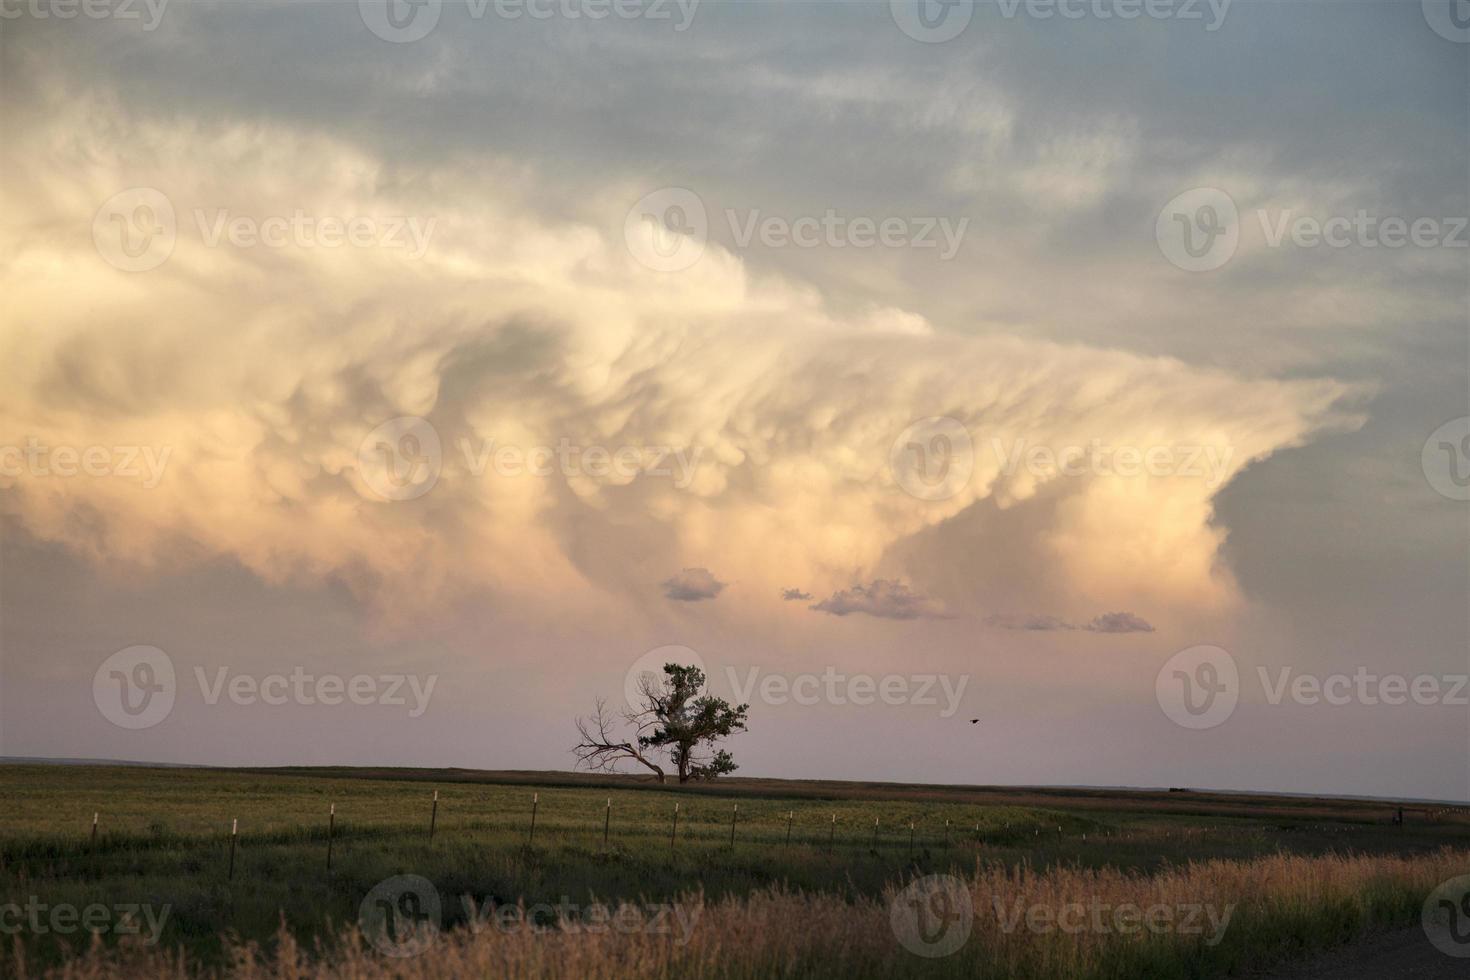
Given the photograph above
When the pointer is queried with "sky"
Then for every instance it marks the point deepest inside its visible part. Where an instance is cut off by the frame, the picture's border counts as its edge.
(993, 393)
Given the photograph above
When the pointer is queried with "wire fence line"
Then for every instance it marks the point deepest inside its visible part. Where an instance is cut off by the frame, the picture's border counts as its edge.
(604, 830)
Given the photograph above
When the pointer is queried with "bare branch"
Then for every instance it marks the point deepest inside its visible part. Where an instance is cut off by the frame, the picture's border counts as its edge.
(601, 751)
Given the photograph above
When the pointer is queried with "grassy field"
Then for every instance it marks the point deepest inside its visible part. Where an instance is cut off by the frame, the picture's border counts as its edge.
(1296, 874)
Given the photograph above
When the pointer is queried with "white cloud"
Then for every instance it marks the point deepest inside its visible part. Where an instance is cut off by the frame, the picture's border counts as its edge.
(263, 369)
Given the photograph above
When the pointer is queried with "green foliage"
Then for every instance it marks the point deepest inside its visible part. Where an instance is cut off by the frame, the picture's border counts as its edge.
(686, 722)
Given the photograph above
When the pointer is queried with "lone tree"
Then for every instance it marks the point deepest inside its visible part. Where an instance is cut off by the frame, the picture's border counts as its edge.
(671, 717)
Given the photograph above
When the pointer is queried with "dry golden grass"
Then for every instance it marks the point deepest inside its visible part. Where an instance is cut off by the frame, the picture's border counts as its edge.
(1278, 907)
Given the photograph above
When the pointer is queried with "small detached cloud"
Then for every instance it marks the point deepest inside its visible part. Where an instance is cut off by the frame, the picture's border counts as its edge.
(795, 595)
(1038, 623)
(885, 599)
(1114, 622)
(1119, 622)
(692, 585)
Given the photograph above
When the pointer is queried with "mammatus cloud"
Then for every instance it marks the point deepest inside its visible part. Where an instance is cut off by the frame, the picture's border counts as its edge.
(885, 599)
(1114, 622)
(795, 595)
(517, 330)
(692, 585)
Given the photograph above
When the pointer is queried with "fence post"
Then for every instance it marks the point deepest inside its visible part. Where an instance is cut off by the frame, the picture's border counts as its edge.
(875, 833)
(234, 832)
(734, 814)
(94, 830)
(674, 831)
(911, 839)
(331, 824)
(433, 816)
(789, 814)
(946, 832)
(832, 834)
(535, 803)
(606, 823)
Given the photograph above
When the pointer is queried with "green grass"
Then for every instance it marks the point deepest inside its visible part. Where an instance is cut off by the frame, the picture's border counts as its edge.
(164, 841)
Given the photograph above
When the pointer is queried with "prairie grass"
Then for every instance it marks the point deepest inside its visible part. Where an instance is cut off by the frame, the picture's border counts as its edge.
(797, 892)
(1278, 907)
